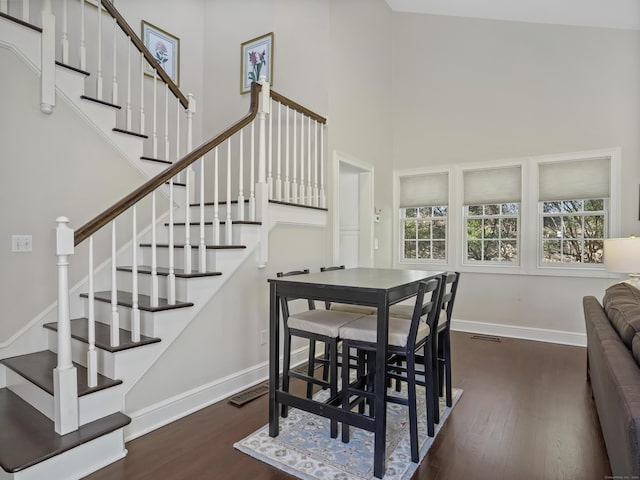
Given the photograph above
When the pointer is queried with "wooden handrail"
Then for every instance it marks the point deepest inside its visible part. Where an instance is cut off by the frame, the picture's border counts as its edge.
(145, 51)
(296, 106)
(134, 197)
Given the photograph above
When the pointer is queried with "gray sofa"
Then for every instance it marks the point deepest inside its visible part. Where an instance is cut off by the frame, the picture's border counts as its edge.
(613, 367)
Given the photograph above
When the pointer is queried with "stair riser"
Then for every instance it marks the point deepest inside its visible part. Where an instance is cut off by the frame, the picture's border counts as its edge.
(215, 259)
(237, 231)
(222, 212)
(111, 364)
(76, 463)
(125, 283)
(90, 407)
(103, 314)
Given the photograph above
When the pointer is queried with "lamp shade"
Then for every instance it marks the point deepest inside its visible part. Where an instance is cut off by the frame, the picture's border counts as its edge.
(622, 255)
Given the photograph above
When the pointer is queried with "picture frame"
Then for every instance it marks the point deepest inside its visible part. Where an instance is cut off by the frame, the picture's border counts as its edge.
(256, 59)
(165, 48)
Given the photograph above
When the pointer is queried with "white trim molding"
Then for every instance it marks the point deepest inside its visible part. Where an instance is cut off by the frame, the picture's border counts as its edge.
(576, 339)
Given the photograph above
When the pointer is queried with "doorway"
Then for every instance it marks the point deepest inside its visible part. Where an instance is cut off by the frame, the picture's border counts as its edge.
(353, 202)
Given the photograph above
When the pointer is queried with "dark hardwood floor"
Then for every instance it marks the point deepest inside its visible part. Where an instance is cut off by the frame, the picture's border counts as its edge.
(526, 413)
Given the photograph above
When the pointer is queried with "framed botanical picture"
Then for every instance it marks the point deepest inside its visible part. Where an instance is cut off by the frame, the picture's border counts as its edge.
(256, 59)
(165, 48)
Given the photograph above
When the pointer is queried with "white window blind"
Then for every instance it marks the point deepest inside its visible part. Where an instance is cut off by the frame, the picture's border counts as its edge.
(424, 190)
(492, 185)
(574, 179)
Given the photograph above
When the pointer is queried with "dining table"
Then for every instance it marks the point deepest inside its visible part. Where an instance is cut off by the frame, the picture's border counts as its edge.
(376, 287)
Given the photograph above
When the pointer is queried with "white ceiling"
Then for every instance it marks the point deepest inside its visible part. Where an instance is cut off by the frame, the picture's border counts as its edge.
(592, 13)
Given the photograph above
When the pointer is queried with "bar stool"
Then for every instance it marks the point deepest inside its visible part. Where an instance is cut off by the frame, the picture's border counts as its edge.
(316, 325)
(405, 340)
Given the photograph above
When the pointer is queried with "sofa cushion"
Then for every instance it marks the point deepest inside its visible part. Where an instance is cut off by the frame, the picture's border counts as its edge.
(622, 304)
(635, 347)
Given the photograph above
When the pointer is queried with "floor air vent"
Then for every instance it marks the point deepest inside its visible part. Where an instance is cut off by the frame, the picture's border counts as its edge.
(486, 338)
(249, 394)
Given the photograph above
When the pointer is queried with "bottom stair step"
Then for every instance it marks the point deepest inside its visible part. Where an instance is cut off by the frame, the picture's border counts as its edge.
(28, 437)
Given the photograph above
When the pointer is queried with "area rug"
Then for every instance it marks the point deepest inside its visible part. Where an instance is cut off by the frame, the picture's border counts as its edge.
(304, 448)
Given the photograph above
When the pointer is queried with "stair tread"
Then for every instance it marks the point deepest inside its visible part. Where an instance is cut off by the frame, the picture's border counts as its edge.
(38, 368)
(164, 271)
(72, 68)
(209, 247)
(158, 160)
(130, 132)
(222, 222)
(125, 299)
(301, 205)
(28, 437)
(80, 331)
(101, 102)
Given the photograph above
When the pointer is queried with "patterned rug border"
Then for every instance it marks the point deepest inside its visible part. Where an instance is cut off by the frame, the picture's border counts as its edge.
(405, 474)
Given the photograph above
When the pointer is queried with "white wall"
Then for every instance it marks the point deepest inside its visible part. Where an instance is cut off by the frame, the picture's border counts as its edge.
(470, 90)
(50, 165)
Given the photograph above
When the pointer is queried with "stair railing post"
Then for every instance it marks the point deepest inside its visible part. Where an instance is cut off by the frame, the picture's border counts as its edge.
(262, 188)
(48, 59)
(65, 384)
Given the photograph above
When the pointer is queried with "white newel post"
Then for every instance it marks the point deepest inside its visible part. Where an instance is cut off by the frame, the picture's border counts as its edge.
(48, 59)
(262, 188)
(65, 386)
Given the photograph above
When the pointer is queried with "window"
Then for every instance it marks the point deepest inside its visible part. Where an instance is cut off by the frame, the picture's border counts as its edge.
(492, 232)
(573, 211)
(492, 215)
(423, 217)
(573, 231)
(424, 233)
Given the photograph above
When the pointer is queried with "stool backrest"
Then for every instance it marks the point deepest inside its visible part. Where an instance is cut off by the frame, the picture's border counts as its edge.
(448, 294)
(425, 310)
(285, 301)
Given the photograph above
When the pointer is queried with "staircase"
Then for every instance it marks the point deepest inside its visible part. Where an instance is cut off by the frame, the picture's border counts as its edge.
(62, 392)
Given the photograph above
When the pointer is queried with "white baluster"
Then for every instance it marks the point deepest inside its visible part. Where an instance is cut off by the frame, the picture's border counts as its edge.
(315, 164)
(99, 74)
(294, 180)
(252, 180)
(25, 10)
(301, 198)
(92, 353)
(270, 162)
(187, 237)
(65, 383)
(115, 316)
(178, 111)
(171, 278)
(323, 199)
(142, 116)
(155, 114)
(279, 156)
(309, 191)
(128, 109)
(3, 6)
(83, 41)
(65, 36)
(228, 223)
(114, 88)
(240, 214)
(287, 184)
(167, 153)
(154, 253)
(202, 250)
(216, 193)
(135, 310)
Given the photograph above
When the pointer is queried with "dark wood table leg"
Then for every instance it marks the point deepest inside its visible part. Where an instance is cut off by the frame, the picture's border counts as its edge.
(380, 386)
(274, 352)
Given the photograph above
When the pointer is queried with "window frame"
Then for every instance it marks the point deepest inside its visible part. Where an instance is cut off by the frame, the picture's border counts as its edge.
(466, 217)
(402, 222)
(530, 223)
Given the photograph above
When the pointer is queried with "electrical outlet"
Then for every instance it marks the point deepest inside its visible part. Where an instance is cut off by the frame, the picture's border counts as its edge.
(263, 337)
(21, 243)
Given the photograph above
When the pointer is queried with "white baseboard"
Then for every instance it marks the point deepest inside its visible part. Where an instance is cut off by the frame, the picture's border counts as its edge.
(526, 333)
(179, 406)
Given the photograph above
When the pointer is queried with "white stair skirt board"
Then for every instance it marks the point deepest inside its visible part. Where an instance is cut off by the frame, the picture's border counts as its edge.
(77, 462)
(525, 333)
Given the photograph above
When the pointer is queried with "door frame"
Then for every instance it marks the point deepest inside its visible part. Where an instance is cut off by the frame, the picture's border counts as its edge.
(366, 208)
